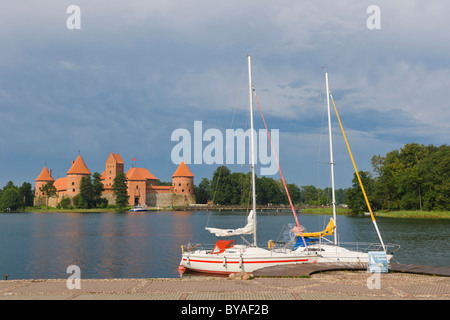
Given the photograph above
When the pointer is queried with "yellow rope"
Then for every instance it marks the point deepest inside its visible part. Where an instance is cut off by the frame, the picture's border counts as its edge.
(353, 161)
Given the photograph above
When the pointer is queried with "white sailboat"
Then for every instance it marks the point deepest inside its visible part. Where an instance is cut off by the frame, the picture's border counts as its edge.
(228, 257)
(333, 251)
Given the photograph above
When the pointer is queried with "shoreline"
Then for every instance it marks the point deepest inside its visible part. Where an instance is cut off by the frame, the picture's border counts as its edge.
(401, 214)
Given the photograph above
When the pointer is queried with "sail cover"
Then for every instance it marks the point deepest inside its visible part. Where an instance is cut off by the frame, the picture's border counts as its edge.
(248, 229)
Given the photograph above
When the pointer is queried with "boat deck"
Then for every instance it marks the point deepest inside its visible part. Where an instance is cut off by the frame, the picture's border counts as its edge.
(307, 269)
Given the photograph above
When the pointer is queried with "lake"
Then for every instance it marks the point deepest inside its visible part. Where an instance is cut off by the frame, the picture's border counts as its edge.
(148, 244)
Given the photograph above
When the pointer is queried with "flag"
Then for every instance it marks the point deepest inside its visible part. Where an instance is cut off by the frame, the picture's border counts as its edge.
(134, 159)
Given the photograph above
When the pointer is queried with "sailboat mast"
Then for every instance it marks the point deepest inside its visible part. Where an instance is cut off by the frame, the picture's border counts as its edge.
(252, 143)
(331, 158)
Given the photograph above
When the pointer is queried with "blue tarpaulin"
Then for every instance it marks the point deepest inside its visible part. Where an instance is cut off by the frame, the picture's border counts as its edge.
(308, 241)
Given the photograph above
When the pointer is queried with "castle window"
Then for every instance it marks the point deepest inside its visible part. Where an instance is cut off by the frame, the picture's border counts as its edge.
(73, 183)
(182, 190)
(137, 187)
(188, 184)
(179, 184)
(189, 190)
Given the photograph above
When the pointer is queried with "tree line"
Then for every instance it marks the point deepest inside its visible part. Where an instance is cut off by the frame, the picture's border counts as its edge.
(13, 197)
(416, 177)
(234, 188)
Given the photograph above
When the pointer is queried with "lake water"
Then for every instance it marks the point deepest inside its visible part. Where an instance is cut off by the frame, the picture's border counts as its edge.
(147, 244)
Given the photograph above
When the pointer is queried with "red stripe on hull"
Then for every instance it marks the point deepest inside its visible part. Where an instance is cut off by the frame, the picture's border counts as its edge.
(246, 262)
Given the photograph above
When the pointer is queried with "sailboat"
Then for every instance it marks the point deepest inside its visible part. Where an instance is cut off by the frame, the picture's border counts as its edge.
(333, 251)
(227, 256)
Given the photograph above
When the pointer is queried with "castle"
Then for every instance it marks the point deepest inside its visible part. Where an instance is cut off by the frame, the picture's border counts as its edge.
(142, 185)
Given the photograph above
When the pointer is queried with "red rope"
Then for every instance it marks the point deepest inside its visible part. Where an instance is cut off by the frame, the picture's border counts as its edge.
(281, 173)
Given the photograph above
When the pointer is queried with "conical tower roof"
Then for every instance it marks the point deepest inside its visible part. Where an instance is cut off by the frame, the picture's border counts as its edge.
(79, 167)
(183, 171)
(45, 175)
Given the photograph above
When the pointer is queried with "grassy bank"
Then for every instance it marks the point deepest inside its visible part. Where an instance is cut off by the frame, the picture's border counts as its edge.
(391, 214)
(417, 214)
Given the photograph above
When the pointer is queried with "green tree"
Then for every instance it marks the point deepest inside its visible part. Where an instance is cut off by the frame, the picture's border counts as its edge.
(65, 203)
(26, 194)
(414, 177)
(268, 191)
(9, 185)
(309, 194)
(220, 188)
(120, 191)
(355, 197)
(76, 200)
(97, 189)
(239, 188)
(86, 199)
(293, 190)
(10, 199)
(341, 195)
(435, 171)
(162, 183)
(202, 191)
(411, 183)
(49, 191)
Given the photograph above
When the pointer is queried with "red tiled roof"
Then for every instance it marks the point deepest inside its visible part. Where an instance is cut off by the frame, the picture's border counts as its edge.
(139, 174)
(60, 184)
(160, 187)
(45, 175)
(183, 171)
(115, 157)
(118, 158)
(79, 167)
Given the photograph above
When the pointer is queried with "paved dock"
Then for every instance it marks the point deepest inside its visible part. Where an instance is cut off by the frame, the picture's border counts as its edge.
(307, 269)
(333, 285)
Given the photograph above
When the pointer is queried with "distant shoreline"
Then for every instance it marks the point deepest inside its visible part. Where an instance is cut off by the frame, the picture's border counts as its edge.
(340, 211)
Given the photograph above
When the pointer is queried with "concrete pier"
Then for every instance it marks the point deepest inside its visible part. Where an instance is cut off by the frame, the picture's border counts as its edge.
(331, 285)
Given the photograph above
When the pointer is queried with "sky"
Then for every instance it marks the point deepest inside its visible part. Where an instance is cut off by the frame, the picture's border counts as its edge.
(136, 71)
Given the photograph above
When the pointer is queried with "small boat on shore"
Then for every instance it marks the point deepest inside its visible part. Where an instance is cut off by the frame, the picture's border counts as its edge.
(139, 208)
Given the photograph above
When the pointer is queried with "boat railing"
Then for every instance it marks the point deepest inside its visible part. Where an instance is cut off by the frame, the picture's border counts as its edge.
(190, 247)
(353, 246)
(363, 246)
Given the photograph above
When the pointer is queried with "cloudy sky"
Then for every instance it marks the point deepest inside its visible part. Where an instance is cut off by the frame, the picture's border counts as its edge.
(137, 70)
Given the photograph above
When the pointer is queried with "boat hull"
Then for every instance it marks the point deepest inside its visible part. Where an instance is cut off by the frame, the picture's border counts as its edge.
(249, 261)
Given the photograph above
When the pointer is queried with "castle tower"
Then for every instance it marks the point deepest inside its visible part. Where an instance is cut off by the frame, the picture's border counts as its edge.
(74, 175)
(138, 181)
(44, 177)
(183, 180)
(113, 165)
